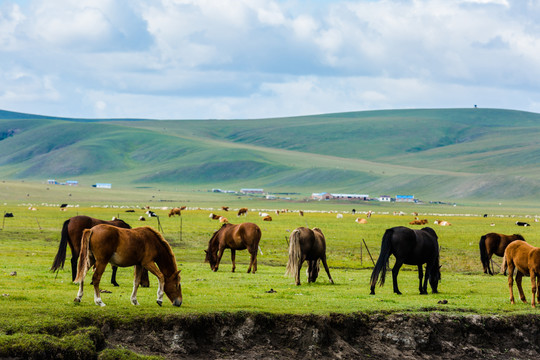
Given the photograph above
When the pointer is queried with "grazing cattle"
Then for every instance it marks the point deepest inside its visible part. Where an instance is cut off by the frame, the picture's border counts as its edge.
(141, 218)
(418, 222)
(369, 213)
(63, 205)
(301, 213)
(267, 218)
(223, 219)
(361, 220)
(142, 247)
(411, 247)
(183, 207)
(525, 259)
(521, 223)
(130, 211)
(494, 243)
(263, 214)
(175, 211)
(234, 237)
(8, 214)
(442, 223)
(307, 245)
(225, 208)
(339, 216)
(485, 215)
(150, 213)
(214, 216)
(242, 211)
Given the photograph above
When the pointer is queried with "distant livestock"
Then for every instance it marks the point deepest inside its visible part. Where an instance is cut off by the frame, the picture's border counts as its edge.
(339, 216)
(267, 218)
(418, 222)
(150, 213)
(141, 218)
(175, 211)
(214, 216)
(361, 220)
(521, 223)
(242, 211)
(301, 213)
(225, 208)
(8, 214)
(442, 223)
(223, 219)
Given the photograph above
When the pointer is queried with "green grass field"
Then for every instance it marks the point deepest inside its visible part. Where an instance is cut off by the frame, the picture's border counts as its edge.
(41, 302)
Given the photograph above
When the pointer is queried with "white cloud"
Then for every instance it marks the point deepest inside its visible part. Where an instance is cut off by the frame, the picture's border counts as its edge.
(261, 58)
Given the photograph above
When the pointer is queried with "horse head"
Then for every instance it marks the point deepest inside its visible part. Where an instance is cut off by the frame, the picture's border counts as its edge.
(173, 288)
(211, 252)
(313, 273)
(435, 277)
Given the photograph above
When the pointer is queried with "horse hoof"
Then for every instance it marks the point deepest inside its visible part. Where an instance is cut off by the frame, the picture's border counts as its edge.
(115, 284)
(159, 302)
(77, 300)
(135, 303)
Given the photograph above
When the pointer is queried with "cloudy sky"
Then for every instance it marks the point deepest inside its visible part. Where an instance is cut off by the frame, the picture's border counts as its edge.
(199, 59)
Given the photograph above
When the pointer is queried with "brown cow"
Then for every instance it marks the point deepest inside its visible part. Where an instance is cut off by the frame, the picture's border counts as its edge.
(242, 211)
(175, 211)
(361, 220)
(267, 218)
(214, 216)
(225, 208)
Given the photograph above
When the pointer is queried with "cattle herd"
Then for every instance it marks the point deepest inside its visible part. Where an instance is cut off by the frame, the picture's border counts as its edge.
(408, 246)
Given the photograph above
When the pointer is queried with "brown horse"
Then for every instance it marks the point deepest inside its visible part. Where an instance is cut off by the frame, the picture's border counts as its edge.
(525, 259)
(72, 231)
(494, 243)
(175, 211)
(234, 237)
(142, 247)
(307, 245)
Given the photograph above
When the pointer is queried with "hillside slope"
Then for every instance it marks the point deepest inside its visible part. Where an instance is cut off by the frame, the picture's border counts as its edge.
(442, 154)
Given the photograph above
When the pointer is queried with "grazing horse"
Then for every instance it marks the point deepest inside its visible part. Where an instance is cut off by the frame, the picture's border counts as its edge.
(142, 247)
(411, 247)
(524, 258)
(234, 237)
(494, 243)
(307, 245)
(72, 231)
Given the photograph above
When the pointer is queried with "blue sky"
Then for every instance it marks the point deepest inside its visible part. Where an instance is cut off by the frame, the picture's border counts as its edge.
(200, 59)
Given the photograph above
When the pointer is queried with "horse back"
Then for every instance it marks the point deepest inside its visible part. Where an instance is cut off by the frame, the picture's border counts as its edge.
(242, 236)
(517, 253)
(415, 247)
(121, 247)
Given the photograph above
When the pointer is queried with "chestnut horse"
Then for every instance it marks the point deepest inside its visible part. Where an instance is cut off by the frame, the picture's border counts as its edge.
(234, 237)
(72, 231)
(307, 245)
(494, 243)
(142, 247)
(524, 258)
(411, 247)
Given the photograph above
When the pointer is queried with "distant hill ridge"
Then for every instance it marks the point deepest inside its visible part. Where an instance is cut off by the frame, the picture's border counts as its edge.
(441, 153)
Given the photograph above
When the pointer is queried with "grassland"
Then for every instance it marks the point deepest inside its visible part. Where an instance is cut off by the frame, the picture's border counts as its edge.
(40, 302)
(441, 154)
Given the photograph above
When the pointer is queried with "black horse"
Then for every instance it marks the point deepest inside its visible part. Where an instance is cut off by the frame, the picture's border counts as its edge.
(411, 247)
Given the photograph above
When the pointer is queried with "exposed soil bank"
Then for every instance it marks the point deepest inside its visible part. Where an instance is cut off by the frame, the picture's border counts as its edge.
(355, 336)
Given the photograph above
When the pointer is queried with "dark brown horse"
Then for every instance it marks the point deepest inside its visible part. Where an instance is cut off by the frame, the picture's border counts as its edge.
(411, 247)
(524, 258)
(234, 237)
(142, 247)
(72, 231)
(307, 245)
(494, 243)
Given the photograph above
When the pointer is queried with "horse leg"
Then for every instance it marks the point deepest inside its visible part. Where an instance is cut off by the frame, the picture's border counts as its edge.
(151, 266)
(511, 281)
(533, 283)
(145, 281)
(297, 275)
(422, 287)
(311, 263)
(220, 255)
(113, 277)
(490, 264)
(80, 292)
(519, 277)
(323, 259)
(253, 261)
(395, 272)
(136, 281)
(96, 278)
(233, 258)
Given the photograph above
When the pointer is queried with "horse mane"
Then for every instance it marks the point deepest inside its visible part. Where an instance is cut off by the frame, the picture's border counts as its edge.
(162, 241)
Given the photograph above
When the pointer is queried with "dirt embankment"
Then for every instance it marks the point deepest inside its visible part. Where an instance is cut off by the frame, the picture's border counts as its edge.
(356, 336)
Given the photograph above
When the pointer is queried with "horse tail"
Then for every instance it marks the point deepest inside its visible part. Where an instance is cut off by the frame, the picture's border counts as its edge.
(84, 256)
(60, 257)
(484, 255)
(384, 256)
(504, 265)
(295, 254)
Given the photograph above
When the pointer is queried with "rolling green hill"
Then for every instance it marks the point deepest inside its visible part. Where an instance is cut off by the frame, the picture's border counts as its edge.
(435, 154)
